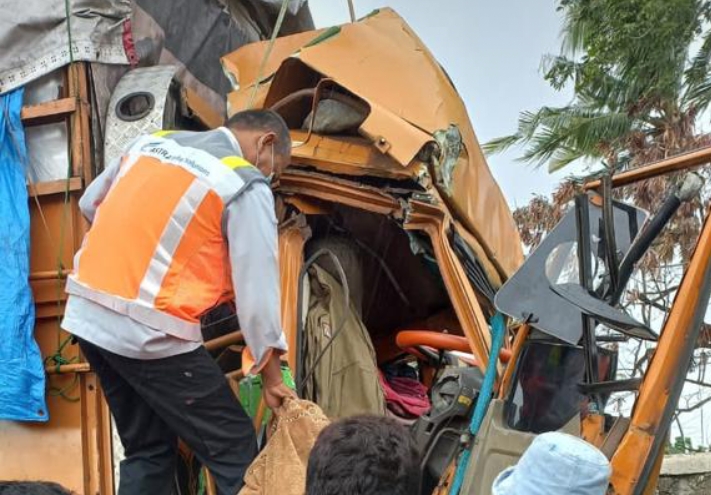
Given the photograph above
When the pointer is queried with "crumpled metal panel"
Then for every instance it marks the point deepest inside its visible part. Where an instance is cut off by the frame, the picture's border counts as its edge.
(154, 81)
(377, 59)
(35, 35)
(292, 238)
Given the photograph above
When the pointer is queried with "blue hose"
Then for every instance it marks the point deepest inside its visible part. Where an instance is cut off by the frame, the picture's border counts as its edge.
(498, 329)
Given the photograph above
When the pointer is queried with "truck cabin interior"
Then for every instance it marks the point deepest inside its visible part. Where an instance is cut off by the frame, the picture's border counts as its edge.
(393, 277)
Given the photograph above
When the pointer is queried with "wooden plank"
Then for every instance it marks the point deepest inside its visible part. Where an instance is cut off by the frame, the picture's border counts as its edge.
(49, 311)
(49, 275)
(96, 426)
(54, 187)
(79, 127)
(50, 111)
(68, 368)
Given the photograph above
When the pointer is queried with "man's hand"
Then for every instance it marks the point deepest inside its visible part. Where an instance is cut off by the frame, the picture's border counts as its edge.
(275, 395)
(274, 389)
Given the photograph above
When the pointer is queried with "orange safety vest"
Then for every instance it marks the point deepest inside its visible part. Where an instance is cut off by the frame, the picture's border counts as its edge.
(156, 250)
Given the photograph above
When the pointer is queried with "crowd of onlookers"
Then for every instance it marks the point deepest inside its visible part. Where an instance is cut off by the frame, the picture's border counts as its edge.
(377, 456)
(370, 455)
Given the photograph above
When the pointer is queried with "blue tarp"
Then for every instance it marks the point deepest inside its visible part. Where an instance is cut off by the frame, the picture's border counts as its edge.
(22, 378)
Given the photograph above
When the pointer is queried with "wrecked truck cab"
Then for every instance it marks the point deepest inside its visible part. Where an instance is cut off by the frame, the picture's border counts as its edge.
(381, 137)
(394, 236)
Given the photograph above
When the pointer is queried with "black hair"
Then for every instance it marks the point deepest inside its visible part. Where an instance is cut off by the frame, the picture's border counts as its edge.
(31, 488)
(263, 120)
(364, 455)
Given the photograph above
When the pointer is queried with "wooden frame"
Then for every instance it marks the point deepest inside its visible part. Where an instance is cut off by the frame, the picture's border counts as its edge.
(74, 447)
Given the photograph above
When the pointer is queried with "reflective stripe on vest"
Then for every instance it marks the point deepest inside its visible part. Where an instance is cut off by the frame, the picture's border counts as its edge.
(156, 250)
(235, 162)
(165, 322)
(168, 243)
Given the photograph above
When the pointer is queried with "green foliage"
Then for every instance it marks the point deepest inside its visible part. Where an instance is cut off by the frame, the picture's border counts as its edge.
(637, 86)
(683, 445)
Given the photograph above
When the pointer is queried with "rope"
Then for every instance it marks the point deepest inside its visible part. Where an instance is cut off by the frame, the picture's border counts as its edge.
(202, 484)
(268, 52)
(498, 329)
(57, 358)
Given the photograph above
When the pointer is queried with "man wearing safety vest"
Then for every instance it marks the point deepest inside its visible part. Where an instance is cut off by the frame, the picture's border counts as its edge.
(182, 222)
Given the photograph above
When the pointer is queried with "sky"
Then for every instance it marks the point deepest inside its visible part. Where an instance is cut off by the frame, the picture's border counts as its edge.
(492, 50)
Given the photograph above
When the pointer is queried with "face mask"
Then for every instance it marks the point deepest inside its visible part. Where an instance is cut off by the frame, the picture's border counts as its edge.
(270, 177)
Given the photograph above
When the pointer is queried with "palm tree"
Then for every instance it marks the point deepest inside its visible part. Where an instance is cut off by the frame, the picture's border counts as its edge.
(636, 89)
(639, 95)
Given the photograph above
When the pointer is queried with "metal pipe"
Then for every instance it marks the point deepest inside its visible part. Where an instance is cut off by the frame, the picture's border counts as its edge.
(689, 189)
(634, 459)
(608, 215)
(310, 93)
(673, 164)
(582, 221)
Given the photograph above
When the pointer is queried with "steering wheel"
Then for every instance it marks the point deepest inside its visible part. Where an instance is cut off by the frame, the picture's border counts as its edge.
(417, 342)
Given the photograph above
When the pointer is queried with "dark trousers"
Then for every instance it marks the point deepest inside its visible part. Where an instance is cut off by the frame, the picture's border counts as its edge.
(156, 401)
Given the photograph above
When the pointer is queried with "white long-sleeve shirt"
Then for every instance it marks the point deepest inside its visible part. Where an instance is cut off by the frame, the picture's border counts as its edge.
(251, 231)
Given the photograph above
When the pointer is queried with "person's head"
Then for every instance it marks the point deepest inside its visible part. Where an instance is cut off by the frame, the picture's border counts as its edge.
(31, 488)
(264, 139)
(363, 455)
(556, 464)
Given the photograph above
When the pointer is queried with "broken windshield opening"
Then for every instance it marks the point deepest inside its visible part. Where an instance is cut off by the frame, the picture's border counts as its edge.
(562, 265)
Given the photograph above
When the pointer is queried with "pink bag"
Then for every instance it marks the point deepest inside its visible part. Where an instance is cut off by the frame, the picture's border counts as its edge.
(405, 397)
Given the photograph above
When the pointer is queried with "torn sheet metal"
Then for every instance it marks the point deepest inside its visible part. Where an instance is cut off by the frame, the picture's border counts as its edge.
(292, 237)
(377, 59)
(450, 147)
(138, 106)
(242, 66)
(35, 36)
(351, 155)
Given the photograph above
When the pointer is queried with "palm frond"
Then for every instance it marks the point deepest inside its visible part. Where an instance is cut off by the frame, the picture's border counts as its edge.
(564, 157)
(698, 69)
(501, 144)
(563, 135)
(699, 96)
(697, 76)
(575, 29)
